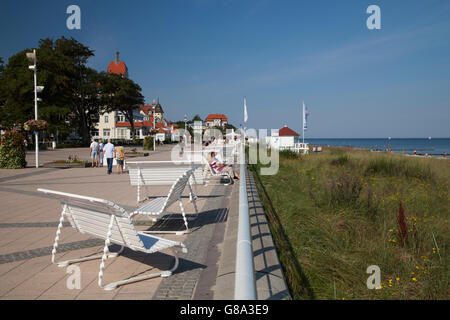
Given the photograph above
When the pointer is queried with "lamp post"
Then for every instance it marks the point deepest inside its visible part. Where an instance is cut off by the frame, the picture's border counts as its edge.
(154, 128)
(185, 128)
(32, 58)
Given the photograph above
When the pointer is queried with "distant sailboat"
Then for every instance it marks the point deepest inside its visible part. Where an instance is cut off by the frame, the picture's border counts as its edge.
(429, 138)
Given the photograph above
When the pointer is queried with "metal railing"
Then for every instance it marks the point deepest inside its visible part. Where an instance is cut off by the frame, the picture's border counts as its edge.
(245, 286)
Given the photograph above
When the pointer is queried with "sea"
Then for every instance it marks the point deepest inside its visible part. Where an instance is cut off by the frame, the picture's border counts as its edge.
(432, 146)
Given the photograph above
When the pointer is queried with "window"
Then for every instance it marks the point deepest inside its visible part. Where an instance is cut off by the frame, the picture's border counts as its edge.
(122, 133)
(106, 132)
(94, 133)
(120, 117)
(106, 119)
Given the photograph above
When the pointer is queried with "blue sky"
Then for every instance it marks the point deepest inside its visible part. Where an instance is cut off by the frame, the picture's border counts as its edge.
(203, 56)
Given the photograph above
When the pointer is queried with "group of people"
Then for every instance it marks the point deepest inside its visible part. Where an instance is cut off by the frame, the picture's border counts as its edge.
(223, 141)
(99, 150)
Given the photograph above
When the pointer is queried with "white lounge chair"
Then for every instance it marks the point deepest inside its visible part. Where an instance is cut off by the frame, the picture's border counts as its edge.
(106, 220)
(215, 173)
(159, 206)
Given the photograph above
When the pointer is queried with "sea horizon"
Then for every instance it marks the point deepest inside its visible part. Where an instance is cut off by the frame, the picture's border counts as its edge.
(422, 146)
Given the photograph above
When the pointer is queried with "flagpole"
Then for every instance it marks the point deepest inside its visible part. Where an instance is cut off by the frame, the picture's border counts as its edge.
(245, 115)
(303, 124)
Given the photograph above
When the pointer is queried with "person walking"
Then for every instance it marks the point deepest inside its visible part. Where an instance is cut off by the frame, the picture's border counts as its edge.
(119, 154)
(181, 146)
(108, 149)
(100, 152)
(93, 151)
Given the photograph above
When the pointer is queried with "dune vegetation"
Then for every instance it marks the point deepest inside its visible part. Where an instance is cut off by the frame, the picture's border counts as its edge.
(335, 213)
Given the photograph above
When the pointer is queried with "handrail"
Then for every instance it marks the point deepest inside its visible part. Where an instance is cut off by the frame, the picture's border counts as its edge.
(244, 287)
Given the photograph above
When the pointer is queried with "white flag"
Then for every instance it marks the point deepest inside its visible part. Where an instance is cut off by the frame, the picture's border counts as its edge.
(245, 110)
(305, 117)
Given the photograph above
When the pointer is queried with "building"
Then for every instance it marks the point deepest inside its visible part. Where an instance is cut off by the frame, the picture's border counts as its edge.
(147, 118)
(286, 139)
(216, 120)
(158, 110)
(144, 125)
(118, 67)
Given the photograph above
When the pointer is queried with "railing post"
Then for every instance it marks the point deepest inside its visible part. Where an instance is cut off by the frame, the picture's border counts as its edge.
(244, 288)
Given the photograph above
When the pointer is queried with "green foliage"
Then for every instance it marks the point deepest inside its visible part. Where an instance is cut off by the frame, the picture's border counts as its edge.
(121, 94)
(68, 93)
(340, 161)
(338, 210)
(289, 154)
(12, 150)
(148, 143)
(137, 142)
(399, 168)
(168, 141)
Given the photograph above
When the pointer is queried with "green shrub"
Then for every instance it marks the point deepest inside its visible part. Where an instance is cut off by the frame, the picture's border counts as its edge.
(340, 161)
(288, 154)
(148, 143)
(399, 168)
(340, 190)
(75, 144)
(168, 141)
(12, 150)
(137, 142)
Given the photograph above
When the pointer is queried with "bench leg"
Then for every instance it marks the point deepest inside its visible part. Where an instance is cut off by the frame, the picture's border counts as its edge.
(67, 262)
(164, 274)
(184, 214)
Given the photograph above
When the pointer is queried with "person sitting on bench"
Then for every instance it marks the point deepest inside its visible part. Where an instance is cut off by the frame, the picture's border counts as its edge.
(220, 167)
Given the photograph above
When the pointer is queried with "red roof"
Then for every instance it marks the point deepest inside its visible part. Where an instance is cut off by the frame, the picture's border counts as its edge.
(286, 131)
(119, 68)
(146, 109)
(148, 123)
(212, 117)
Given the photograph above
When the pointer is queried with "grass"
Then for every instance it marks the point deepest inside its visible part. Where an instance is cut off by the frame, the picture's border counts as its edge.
(335, 213)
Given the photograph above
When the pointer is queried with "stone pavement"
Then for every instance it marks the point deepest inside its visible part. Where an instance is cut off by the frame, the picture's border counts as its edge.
(29, 219)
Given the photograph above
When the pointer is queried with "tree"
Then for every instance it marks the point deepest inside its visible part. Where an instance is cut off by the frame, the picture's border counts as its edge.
(2, 66)
(68, 91)
(196, 118)
(16, 92)
(70, 87)
(123, 95)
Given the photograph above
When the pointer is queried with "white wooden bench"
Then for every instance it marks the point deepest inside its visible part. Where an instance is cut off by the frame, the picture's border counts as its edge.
(106, 220)
(160, 205)
(154, 173)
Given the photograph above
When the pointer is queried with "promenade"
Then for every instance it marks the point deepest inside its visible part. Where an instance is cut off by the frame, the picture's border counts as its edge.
(29, 219)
